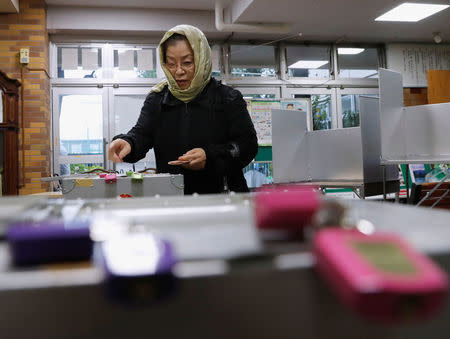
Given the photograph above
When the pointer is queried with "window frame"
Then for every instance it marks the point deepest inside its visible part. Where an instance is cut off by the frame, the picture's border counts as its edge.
(110, 58)
(56, 138)
(107, 78)
(259, 90)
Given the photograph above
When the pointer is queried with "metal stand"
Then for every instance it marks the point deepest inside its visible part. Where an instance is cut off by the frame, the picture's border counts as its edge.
(433, 190)
(361, 189)
(407, 182)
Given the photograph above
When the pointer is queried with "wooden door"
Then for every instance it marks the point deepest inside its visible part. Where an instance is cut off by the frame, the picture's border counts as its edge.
(9, 133)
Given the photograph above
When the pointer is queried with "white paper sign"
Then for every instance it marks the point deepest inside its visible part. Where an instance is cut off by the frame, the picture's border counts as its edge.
(89, 58)
(126, 60)
(413, 61)
(145, 59)
(69, 58)
(261, 114)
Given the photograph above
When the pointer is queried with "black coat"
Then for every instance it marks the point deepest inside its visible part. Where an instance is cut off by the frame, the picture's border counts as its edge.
(217, 120)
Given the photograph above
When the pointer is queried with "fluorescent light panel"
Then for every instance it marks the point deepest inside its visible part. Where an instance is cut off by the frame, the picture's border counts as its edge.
(411, 12)
(308, 64)
(345, 50)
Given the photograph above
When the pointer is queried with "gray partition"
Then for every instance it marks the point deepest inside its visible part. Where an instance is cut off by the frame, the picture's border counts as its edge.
(336, 154)
(415, 134)
(289, 146)
(371, 141)
(346, 155)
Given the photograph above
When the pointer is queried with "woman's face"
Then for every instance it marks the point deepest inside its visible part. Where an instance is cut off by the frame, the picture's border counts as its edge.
(180, 63)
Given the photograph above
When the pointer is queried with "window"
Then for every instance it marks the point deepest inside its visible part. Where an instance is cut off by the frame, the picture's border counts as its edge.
(321, 110)
(252, 61)
(134, 62)
(358, 62)
(349, 104)
(78, 129)
(259, 96)
(125, 110)
(259, 92)
(308, 62)
(79, 62)
(350, 110)
(81, 124)
(216, 60)
(95, 147)
(79, 168)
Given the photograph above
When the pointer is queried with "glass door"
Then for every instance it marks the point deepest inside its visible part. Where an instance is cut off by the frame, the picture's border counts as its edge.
(125, 106)
(80, 129)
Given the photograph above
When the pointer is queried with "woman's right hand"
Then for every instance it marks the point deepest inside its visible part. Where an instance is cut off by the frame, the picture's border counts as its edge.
(118, 149)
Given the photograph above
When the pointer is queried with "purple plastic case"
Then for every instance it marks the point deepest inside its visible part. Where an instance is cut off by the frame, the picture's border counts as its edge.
(138, 268)
(49, 241)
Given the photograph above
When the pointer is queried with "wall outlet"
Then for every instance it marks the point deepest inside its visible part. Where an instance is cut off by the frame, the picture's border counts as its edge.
(24, 55)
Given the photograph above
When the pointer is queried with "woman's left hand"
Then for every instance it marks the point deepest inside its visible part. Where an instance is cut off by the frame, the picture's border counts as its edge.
(196, 158)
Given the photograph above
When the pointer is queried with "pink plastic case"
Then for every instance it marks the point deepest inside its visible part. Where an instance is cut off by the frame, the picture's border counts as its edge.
(286, 207)
(407, 286)
(111, 178)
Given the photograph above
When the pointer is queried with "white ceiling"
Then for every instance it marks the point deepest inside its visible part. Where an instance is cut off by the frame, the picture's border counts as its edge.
(176, 4)
(317, 20)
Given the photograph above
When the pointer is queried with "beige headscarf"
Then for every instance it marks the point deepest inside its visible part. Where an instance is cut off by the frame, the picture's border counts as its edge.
(202, 60)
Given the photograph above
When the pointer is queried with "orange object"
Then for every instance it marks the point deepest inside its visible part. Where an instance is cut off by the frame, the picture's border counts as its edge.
(438, 86)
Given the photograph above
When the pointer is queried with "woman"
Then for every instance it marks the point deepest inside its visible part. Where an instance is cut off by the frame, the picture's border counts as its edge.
(197, 126)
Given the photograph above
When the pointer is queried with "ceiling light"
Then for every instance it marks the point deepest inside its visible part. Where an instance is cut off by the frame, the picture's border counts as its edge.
(411, 12)
(308, 64)
(343, 50)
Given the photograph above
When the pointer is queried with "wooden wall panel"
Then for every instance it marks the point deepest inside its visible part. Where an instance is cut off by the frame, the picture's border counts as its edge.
(438, 86)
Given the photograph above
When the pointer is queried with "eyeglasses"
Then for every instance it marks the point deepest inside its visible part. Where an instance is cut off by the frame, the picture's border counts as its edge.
(185, 66)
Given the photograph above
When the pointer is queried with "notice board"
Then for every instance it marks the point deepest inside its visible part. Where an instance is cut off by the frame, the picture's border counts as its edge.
(414, 60)
(260, 111)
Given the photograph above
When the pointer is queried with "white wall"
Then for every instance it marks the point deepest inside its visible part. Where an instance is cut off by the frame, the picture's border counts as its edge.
(63, 19)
